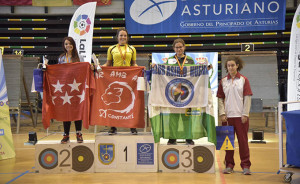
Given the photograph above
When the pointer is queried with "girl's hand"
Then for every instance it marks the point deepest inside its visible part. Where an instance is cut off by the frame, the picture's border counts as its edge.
(244, 119)
(223, 118)
(92, 67)
(209, 67)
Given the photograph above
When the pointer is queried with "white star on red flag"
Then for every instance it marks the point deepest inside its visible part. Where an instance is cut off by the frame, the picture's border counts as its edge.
(53, 98)
(75, 85)
(82, 96)
(57, 86)
(66, 98)
(86, 86)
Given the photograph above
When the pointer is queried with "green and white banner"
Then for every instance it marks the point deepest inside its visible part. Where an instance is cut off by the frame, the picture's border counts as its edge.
(7, 149)
(181, 104)
(184, 123)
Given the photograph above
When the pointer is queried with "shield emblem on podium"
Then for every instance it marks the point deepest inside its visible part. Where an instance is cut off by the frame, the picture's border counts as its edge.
(106, 153)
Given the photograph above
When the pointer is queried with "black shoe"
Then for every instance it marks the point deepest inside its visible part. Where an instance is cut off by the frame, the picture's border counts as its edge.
(112, 131)
(172, 142)
(189, 142)
(133, 131)
(65, 139)
(79, 138)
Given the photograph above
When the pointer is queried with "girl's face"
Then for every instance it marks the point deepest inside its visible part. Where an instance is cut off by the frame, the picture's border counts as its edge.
(232, 67)
(179, 49)
(68, 46)
(122, 37)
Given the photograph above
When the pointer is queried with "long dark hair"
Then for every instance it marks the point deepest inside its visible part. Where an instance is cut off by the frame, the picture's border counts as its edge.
(75, 56)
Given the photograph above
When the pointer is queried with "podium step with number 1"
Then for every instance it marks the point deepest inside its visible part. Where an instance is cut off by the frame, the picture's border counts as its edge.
(124, 152)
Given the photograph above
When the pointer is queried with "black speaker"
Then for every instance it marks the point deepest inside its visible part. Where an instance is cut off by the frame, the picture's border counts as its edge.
(258, 136)
(32, 137)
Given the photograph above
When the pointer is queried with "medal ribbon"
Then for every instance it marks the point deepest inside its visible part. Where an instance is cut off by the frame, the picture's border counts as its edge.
(180, 66)
(67, 58)
(123, 56)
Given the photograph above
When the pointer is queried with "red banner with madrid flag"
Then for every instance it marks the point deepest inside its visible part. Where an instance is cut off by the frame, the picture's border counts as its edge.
(67, 91)
(117, 102)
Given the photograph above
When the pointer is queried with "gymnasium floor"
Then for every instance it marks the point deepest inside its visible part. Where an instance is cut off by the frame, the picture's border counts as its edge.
(21, 169)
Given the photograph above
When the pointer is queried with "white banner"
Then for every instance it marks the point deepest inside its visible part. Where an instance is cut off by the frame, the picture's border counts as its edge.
(293, 91)
(173, 87)
(81, 29)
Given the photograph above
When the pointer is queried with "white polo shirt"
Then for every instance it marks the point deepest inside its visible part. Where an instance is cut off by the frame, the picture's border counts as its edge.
(233, 90)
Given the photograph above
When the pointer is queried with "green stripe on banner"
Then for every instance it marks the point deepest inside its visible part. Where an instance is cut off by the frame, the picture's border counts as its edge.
(183, 126)
(270, 43)
(219, 44)
(118, 19)
(221, 34)
(160, 36)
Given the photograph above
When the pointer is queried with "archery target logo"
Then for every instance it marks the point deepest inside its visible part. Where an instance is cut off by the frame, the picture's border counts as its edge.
(170, 158)
(65, 159)
(203, 159)
(48, 158)
(179, 92)
(82, 158)
(149, 12)
(82, 24)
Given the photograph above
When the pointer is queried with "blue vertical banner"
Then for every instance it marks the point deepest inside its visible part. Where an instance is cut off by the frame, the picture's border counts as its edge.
(195, 16)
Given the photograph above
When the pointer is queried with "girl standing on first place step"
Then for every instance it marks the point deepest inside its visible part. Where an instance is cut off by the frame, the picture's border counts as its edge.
(121, 54)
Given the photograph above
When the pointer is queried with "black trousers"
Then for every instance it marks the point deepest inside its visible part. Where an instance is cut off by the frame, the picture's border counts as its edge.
(67, 126)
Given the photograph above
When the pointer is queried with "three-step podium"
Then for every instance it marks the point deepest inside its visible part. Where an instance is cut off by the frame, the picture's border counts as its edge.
(123, 153)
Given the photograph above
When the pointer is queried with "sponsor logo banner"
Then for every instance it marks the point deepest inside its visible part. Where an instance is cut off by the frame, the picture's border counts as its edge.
(81, 29)
(182, 16)
(145, 154)
(293, 90)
